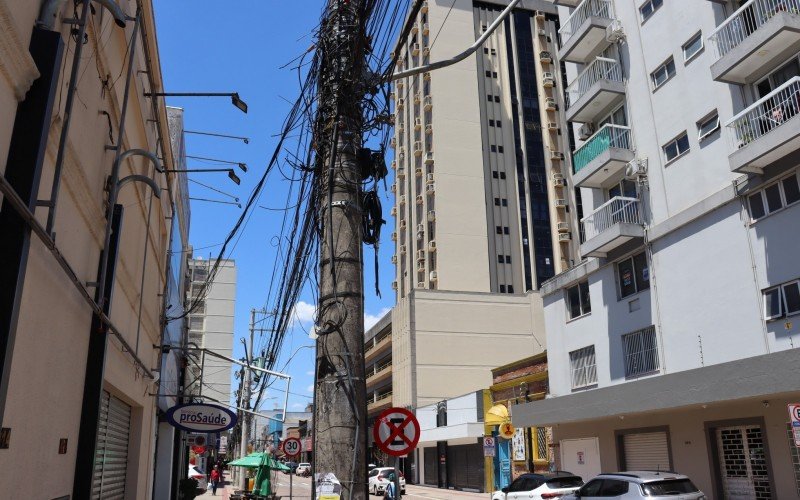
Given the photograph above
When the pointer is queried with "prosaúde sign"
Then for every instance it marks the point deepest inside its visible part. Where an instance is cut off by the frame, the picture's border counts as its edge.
(201, 417)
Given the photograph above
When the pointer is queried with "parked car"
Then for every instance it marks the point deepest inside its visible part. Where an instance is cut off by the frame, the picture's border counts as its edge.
(540, 486)
(197, 473)
(379, 480)
(639, 485)
(303, 469)
(292, 467)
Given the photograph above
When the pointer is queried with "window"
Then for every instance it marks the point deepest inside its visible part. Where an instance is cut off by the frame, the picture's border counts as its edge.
(195, 323)
(502, 174)
(504, 202)
(489, 97)
(497, 202)
(510, 288)
(663, 73)
(693, 47)
(493, 148)
(707, 126)
(491, 123)
(592, 488)
(584, 367)
(498, 229)
(502, 289)
(497, 98)
(500, 259)
(578, 302)
(613, 488)
(676, 147)
(508, 259)
(494, 175)
(641, 352)
(782, 300)
(648, 8)
(500, 150)
(774, 197)
(633, 274)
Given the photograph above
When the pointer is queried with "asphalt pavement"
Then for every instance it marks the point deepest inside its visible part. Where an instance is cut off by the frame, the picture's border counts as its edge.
(301, 489)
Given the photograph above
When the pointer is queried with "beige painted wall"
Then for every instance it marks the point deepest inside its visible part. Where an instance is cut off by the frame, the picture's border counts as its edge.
(690, 452)
(48, 366)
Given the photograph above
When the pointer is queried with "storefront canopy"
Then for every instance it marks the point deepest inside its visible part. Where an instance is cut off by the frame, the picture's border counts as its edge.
(255, 460)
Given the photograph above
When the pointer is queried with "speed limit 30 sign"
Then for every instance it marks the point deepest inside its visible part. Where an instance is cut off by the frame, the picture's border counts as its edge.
(292, 447)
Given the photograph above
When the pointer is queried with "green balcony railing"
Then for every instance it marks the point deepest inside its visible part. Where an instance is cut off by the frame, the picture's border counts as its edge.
(609, 136)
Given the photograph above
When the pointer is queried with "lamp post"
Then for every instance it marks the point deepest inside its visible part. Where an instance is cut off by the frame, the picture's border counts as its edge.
(235, 99)
(230, 171)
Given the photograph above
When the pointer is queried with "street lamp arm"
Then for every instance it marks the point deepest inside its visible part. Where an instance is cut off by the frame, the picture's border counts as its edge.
(141, 178)
(147, 154)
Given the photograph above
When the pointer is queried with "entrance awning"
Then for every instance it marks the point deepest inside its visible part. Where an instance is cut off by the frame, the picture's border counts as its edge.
(768, 374)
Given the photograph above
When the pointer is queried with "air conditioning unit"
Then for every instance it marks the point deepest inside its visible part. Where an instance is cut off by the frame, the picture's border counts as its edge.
(402, 199)
(421, 263)
(394, 235)
(431, 215)
(393, 143)
(424, 8)
(550, 104)
(415, 49)
(414, 29)
(426, 52)
(401, 85)
(417, 148)
(402, 249)
(429, 178)
(614, 32)
(392, 96)
(545, 57)
(539, 16)
(563, 227)
(420, 228)
(403, 224)
(429, 129)
(432, 246)
(401, 128)
(417, 123)
(421, 255)
(394, 259)
(426, 76)
(564, 237)
(433, 276)
(557, 177)
(552, 126)
(394, 285)
(420, 199)
(561, 202)
(556, 155)
(394, 188)
(417, 98)
(394, 211)
(428, 103)
(558, 182)
(394, 164)
(430, 189)
(429, 158)
(541, 32)
(585, 131)
(401, 103)
(401, 172)
(548, 80)
(418, 172)
(636, 169)
(426, 29)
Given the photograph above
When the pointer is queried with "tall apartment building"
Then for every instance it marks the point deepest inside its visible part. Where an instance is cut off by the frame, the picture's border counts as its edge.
(672, 344)
(211, 327)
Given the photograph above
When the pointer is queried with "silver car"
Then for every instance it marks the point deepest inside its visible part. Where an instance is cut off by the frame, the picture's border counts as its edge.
(644, 485)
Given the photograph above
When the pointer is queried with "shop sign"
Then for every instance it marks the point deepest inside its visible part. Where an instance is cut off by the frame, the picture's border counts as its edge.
(201, 417)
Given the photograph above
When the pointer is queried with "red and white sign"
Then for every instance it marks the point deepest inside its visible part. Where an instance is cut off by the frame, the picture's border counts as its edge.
(396, 432)
(292, 447)
(794, 417)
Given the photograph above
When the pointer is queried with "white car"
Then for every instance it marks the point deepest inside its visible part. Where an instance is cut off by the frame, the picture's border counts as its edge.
(540, 486)
(303, 468)
(379, 480)
(639, 485)
(197, 473)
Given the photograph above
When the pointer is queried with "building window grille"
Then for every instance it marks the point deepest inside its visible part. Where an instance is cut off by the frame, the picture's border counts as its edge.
(641, 352)
(541, 443)
(584, 367)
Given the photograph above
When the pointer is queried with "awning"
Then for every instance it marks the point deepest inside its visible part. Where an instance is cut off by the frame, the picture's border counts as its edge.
(254, 460)
(768, 374)
(496, 415)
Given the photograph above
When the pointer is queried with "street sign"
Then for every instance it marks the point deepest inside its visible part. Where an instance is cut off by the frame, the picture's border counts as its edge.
(196, 439)
(794, 416)
(292, 447)
(201, 417)
(506, 430)
(396, 432)
(488, 446)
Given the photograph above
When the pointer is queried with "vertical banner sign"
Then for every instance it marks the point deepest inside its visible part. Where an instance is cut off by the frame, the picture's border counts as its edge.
(488, 446)
(794, 417)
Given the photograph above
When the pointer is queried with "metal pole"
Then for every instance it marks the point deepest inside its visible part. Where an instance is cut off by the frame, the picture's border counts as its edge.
(340, 393)
(396, 478)
(291, 474)
(246, 400)
(62, 141)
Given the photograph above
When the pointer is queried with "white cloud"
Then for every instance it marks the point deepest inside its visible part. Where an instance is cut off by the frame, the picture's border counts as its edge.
(297, 406)
(310, 388)
(303, 312)
(310, 373)
(370, 319)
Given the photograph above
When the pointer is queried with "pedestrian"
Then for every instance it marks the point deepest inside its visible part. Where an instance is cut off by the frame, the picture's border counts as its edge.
(215, 479)
(391, 492)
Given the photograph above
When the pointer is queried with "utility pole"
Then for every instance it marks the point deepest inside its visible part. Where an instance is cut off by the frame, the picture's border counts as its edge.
(340, 392)
(245, 439)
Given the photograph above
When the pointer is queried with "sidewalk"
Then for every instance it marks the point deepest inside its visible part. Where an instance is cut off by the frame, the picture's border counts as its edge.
(224, 490)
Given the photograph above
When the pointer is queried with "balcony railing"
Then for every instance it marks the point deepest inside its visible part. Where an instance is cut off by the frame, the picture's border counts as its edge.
(766, 114)
(609, 136)
(602, 68)
(742, 23)
(587, 9)
(617, 210)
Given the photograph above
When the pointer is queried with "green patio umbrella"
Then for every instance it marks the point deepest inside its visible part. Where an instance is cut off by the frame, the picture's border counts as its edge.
(265, 463)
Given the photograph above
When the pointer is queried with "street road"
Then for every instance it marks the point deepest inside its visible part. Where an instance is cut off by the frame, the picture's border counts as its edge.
(302, 490)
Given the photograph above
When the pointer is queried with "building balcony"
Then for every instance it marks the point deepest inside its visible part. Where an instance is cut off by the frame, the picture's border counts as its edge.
(379, 374)
(595, 91)
(375, 349)
(613, 223)
(766, 131)
(567, 3)
(379, 403)
(583, 34)
(755, 40)
(600, 162)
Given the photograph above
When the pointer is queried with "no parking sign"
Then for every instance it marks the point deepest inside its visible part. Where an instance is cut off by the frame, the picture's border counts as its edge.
(396, 432)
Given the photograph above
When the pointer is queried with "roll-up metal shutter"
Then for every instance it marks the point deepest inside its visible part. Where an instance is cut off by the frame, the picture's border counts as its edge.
(111, 458)
(646, 451)
(431, 471)
(465, 466)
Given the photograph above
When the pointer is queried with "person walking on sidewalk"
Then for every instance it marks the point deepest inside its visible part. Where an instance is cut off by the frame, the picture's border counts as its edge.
(391, 492)
(215, 478)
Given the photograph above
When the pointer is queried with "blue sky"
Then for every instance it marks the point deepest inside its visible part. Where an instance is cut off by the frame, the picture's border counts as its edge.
(239, 47)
